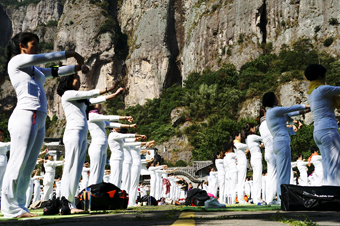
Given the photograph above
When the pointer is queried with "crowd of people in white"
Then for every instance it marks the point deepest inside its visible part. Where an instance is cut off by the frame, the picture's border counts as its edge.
(27, 131)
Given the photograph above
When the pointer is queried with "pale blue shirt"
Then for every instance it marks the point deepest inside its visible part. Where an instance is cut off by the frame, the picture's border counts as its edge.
(322, 106)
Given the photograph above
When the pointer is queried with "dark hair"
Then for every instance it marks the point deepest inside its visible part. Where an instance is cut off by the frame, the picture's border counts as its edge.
(268, 99)
(215, 155)
(13, 47)
(228, 145)
(313, 71)
(123, 130)
(148, 165)
(261, 114)
(297, 156)
(233, 135)
(65, 84)
(246, 130)
(313, 149)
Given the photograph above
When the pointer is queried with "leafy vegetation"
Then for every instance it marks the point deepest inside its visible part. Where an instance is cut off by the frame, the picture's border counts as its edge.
(328, 41)
(212, 99)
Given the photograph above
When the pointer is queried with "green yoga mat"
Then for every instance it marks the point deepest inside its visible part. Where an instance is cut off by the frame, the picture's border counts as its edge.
(232, 208)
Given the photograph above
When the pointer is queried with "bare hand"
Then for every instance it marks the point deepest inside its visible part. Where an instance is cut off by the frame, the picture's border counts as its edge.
(246, 151)
(133, 126)
(119, 90)
(84, 69)
(129, 118)
(261, 145)
(143, 137)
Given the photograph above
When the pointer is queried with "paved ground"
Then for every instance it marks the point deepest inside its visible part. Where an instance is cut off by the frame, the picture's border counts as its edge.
(171, 215)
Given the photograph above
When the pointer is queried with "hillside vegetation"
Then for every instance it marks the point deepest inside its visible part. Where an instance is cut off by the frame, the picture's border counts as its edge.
(213, 99)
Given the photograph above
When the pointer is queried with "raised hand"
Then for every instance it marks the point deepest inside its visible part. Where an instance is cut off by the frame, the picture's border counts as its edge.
(84, 69)
(130, 119)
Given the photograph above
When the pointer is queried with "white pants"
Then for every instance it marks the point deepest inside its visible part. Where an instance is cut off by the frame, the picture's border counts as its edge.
(153, 186)
(98, 154)
(318, 178)
(116, 172)
(328, 142)
(256, 164)
(271, 184)
(158, 188)
(126, 176)
(135, 173)
(48, 186)
(29, 193)
(241, 179)
(2, 173)
(75, 150)
(36, 193)
(26, 142)
(283, 163)
(221, 183)
(232, 180)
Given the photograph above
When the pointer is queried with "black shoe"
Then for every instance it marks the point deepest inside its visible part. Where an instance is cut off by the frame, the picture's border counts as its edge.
(52, 207)
(64, 207)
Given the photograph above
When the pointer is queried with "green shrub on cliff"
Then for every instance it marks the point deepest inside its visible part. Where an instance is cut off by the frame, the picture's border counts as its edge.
(213, 99)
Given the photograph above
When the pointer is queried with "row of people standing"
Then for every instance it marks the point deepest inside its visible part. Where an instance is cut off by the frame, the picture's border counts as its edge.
(27, 122)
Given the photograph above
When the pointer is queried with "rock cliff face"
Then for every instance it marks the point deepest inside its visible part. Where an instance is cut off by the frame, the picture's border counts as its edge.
(294, 92)
(153, 44)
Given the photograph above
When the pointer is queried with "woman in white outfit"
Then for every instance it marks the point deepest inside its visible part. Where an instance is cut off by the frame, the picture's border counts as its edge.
(116, 143)
(323, 100)
(74, 103)
(241, 151)
(85, 174)
(48, 181)
(302, 167)
(36, 194)
(4, 148)
(213, 182)
(231, 169)
(152, 170)
(27, 122)
(253, 143)
(276, 118)
(135, 172)
(218, 160)
(127, 163)
(98, 147)
(318, 167)
(270, 158)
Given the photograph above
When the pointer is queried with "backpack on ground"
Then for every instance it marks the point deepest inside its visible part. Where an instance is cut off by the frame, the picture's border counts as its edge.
(104, 196)
(196, 197)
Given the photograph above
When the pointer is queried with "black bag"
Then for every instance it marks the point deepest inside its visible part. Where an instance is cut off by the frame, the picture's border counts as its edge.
(325, 198)
(196, 197)
(104, 196)
(146, 198)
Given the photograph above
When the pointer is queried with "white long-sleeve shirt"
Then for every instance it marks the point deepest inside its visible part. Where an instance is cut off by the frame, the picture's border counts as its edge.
(276, 118)
(116, 142)
(51, 165)
(28, 80)
(322, 106)
(75, 112)
(253, 143)
(317, 162)
(220, 166)
(240, 153)
(4, 147)
(229, 162)
(267, 137)
(97, 124)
